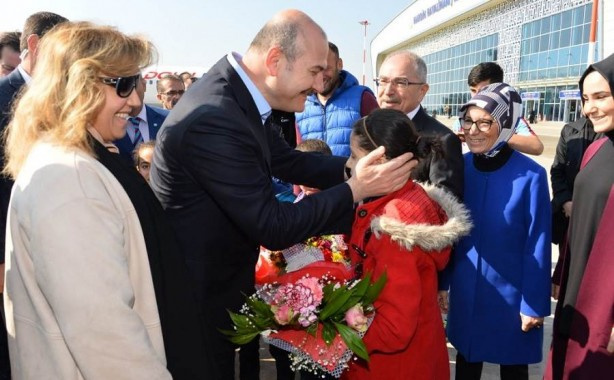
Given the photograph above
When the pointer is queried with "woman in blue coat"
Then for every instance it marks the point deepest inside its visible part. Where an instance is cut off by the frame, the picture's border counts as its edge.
(499, 277)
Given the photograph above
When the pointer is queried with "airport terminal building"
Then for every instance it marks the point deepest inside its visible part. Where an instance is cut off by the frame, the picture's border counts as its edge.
(542, 46)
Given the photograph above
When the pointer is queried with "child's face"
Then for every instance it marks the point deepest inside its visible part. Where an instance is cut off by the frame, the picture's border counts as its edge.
(145, 159)
(356, 154)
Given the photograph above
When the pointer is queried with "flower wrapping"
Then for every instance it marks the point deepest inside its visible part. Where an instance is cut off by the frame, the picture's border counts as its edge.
(320, 320)
(308, 305)
(326, 253)
(305, 348)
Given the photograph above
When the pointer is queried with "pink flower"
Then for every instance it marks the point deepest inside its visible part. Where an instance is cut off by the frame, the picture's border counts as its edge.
(283, 314)
(295, 299)
(355, 318)
(316, 288)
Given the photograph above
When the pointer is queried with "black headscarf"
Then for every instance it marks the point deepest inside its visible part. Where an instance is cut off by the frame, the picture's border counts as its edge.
(605, 68)
(579, 258)
(181, 325)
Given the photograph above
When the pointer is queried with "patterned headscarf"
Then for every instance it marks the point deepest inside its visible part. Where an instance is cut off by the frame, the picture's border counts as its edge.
(504, 105)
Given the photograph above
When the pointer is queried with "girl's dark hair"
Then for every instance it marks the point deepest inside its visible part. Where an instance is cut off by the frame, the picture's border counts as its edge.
(396, 132)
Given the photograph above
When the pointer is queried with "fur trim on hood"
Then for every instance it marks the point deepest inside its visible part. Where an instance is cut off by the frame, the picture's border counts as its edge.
(429, 237)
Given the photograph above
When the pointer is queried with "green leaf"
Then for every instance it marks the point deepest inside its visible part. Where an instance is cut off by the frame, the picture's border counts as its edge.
(312, 329)
(239, 320)
(328, 291)
(328, 333)
(248, 325)
(338, 299)
(374, 290)
(363, 285)
(239, 338)
(263, 323)
(359, 290)
(259, 307)
(228, 332)
(243, 339)
(352, 340)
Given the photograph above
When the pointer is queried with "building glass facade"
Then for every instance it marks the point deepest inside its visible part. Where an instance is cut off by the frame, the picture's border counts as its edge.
(549, 105)
(542, 46)
(554, 48)
(448, 70)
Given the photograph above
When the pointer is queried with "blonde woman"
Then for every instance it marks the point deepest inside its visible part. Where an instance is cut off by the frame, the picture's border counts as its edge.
(93, 287)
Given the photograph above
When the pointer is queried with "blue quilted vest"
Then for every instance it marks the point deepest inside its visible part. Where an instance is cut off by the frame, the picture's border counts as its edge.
(333, 123)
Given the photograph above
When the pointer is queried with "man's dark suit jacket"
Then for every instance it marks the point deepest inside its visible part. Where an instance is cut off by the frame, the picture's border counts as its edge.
(155, 118)
(9, 88)
(449, 171)
(212, 172)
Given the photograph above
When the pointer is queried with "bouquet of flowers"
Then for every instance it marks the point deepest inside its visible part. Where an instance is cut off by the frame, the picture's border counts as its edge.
(320, 321)
(328, 251)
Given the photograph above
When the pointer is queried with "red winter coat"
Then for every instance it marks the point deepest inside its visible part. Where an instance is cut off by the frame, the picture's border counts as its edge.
(408, 235)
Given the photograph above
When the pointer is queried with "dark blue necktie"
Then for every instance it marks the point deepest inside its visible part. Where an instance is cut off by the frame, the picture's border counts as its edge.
(138, 137)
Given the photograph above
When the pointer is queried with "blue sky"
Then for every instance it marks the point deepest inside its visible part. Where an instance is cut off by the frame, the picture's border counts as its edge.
(199, 32)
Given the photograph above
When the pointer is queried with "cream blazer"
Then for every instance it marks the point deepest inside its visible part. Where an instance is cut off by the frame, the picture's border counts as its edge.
(79, 296)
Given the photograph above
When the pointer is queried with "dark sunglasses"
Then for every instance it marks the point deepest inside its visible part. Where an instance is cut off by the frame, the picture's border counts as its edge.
(123, 85)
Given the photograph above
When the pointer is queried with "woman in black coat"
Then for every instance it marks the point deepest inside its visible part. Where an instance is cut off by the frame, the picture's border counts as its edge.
(575, 138)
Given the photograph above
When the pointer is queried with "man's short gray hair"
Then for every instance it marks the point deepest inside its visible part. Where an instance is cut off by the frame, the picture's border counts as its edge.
(419, 66)
(283, 33)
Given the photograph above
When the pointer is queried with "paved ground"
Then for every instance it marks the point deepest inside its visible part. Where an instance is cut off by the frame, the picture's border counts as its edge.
(549, 133)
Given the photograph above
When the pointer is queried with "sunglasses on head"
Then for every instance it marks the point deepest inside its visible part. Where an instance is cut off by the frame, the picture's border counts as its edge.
(123, 85)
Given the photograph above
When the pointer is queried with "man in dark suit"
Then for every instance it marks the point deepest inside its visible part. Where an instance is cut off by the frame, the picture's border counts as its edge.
(146, 119)
(35, 27)
(9, 87)
(402, 86)
(9, 52)
(216, 154)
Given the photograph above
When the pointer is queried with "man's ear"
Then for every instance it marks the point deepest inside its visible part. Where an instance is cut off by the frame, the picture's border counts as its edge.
(273, 60)
(339, 64)
(424, 89)
(32, 42)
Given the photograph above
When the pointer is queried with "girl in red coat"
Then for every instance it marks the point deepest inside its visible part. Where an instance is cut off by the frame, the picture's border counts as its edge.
(408, 234)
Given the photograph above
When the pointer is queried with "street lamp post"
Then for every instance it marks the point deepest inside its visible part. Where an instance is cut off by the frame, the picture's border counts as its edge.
(593, 33)
(364, 49)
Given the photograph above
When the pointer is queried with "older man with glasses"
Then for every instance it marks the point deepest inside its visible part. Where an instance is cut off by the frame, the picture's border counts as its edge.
(144, 121)
(170, 89)
(401, 85)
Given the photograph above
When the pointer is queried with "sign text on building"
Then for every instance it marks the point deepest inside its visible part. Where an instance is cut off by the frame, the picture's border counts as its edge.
(439, 5)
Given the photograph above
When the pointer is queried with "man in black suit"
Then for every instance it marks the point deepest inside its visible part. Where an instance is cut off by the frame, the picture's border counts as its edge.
(9, 52)
(402, 86)
(216, 154)
(147, 119)
(35, 27)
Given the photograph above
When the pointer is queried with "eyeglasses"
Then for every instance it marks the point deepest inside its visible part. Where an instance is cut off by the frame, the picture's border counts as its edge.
(173, 93)
(482, 124)
(396, 82)
(123, 85)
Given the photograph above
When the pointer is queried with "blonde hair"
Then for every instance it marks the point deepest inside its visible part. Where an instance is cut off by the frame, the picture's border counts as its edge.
(66, 95)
